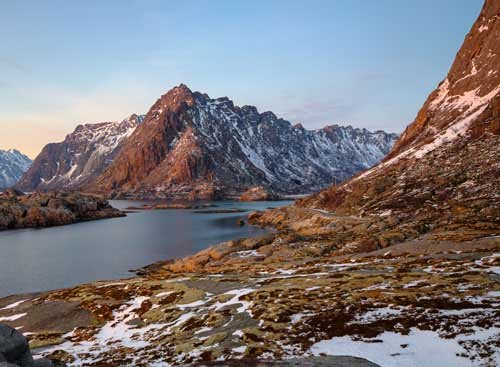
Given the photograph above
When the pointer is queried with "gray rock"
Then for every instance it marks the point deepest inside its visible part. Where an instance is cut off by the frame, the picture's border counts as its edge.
(327, 361)
(7, 364)
(43, 362)
(14, 347)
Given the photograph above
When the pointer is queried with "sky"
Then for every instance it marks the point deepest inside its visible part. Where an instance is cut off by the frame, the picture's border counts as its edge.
(365, 63)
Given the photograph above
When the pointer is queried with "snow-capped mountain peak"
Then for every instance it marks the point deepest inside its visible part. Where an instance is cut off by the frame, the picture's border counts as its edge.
(81, 157)
(13, 164)
(200, 147)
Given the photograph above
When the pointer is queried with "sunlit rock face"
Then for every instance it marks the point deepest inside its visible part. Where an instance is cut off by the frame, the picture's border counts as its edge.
(444, 168)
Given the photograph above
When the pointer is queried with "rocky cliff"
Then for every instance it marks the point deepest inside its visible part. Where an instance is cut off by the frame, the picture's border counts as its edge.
(13, 164)
(80, 158)
(193, 146)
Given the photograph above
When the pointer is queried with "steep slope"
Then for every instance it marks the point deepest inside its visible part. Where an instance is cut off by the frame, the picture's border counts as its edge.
(196, 147)
(445, 168)
(80, 158)
(13, 164)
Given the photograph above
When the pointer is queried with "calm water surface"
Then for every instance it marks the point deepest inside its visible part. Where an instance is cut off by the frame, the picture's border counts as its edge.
(41, 259)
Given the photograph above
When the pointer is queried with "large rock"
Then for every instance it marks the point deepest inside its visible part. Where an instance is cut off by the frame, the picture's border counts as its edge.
(15, 351)
(258, 193)
(14, 347)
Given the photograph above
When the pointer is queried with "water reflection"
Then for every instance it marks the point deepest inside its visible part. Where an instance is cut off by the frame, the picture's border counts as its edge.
(41, 259)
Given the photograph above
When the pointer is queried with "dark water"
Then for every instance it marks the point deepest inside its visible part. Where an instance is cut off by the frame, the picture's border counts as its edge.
(41, 259)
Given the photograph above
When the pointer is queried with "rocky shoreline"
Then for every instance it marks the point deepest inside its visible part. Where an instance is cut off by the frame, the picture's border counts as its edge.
(287, 294)
(46, 209)
(185, 198)
(170, 206)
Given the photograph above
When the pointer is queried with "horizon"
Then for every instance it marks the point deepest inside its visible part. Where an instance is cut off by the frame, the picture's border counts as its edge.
(337, 65)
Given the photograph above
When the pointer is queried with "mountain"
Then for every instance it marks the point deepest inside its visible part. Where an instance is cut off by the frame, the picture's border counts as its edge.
(444, 170)
(398, 265)
(192, 146)
(13, 164)
(80, 158)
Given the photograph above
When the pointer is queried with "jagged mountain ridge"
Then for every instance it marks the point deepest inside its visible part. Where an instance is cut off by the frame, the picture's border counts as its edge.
(13, 164)
(444, 169)
(196, 147)
(80, 158)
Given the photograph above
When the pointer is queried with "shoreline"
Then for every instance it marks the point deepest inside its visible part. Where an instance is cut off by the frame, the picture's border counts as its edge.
(237, 299)
(55, 242)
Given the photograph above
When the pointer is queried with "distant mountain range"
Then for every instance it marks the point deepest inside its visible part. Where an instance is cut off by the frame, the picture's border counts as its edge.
(13, 164)
(192, 146)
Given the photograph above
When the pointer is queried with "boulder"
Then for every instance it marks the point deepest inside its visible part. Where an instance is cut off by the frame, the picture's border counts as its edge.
(15, 351)
(258, 193)
(14, 347)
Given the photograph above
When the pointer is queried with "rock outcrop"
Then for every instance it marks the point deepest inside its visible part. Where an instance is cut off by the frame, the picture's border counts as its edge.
(80, 158)
(191, 146)
(15, 351)
(258, 193)
(45, 209)
(13, 164)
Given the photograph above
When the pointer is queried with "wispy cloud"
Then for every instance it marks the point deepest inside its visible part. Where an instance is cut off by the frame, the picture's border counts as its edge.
(12, 64)
(339, 99)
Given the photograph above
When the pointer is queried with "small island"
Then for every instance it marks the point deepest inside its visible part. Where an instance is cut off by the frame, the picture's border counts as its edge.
(46, 209)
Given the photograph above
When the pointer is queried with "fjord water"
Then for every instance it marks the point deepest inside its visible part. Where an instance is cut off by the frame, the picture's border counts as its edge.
(34, 260)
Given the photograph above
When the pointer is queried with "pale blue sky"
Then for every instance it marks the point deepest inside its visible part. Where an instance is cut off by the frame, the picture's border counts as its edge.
(365, 63)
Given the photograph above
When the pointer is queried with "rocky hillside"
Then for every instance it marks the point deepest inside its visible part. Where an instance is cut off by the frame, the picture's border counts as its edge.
(80, 158)
(13, 164)
(193, 146)
(444, 168)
